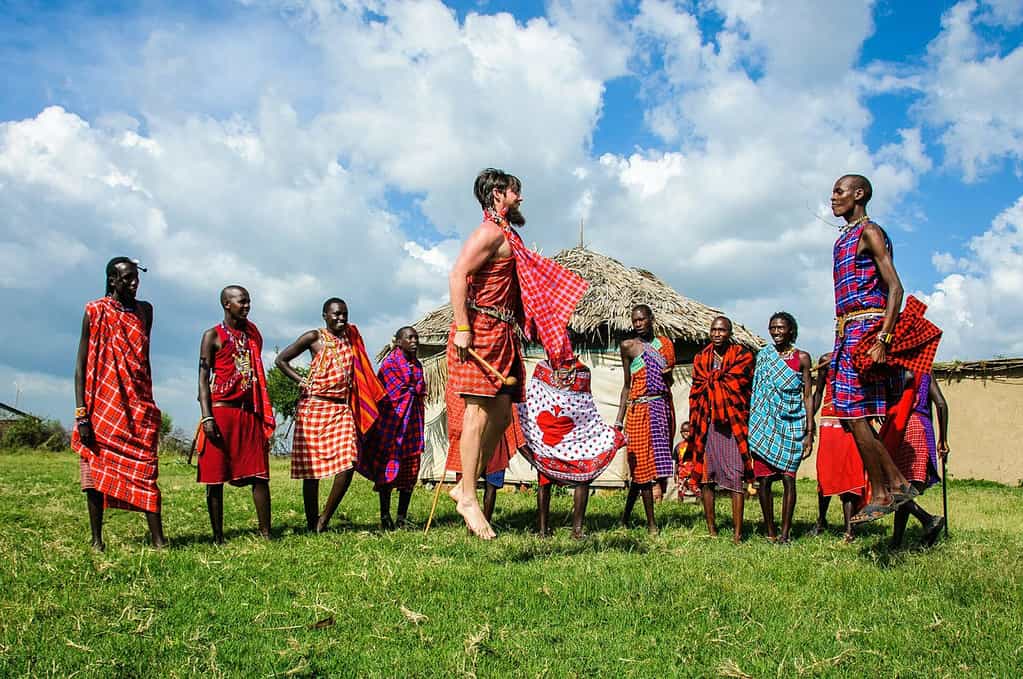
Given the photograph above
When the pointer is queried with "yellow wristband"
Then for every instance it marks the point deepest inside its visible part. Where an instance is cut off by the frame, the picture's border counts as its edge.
(81, 412)
(463, 328)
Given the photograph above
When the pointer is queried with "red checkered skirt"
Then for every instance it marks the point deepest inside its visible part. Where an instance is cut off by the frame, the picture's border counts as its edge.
(325, 441)
(912, 456)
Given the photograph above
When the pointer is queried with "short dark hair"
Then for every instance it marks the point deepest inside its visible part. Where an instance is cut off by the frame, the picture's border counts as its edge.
(488, 180)
(223, 293)
(645, 308)
(788, 318)
(397, 333)
(112, 270)
(731, 328)
(863, 183)
(333, 300)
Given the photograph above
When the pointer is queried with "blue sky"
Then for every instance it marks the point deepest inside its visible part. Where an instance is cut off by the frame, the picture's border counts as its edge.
(314, 150)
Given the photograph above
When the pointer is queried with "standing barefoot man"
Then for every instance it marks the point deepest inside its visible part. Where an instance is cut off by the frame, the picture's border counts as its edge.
(117, 424)
(496, 286)
(237, 418)
(337, 406)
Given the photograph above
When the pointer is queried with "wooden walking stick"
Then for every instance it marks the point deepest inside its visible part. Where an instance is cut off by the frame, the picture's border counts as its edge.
(944, 492)
(436, 495)
(509, 381)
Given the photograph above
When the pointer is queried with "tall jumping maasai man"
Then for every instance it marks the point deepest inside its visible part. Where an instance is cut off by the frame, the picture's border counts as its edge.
(781, 428)
(338, 405)
(496, 285)
(237, 419)
(117, 424)
(867, 288)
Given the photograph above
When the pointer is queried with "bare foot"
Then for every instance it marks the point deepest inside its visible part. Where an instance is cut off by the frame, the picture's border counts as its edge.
(469, 508)
(736, 539)
(653, 531)
(321, 525)
(98, 546)
(578, 534)
(848, 537)
(386, 523)
(162, 544)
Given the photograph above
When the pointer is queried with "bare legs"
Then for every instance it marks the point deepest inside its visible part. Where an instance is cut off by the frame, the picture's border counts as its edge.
(932, 525)
(884, 476)
(580, 498)
(215, 508)
(738, 508)
(483, 425)
(788, 507)
(647, 491)
(310, 496)
(404, 497)
(94, 500)
(848, 504)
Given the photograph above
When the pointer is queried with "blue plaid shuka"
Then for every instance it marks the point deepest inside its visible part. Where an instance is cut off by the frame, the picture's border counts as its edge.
(777, 419)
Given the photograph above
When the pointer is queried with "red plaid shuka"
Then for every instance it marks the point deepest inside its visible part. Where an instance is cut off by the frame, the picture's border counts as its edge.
(393, 447)
(913, 347)
(721, 396)
(325, 440)
(507, 446)
(549, 295)
(122, 463)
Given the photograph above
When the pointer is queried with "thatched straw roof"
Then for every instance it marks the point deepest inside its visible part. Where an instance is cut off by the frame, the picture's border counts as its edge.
(607, 305)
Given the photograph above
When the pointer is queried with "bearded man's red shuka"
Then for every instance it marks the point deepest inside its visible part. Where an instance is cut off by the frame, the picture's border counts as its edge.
(122, 462)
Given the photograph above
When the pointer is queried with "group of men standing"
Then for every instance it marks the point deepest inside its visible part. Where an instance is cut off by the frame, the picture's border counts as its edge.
(751, 418)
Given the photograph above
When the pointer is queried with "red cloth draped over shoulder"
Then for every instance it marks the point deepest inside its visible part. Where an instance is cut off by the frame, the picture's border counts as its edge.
(228, 387)
(367, 391)
(721, 396)
(913, 347)
(119, 398)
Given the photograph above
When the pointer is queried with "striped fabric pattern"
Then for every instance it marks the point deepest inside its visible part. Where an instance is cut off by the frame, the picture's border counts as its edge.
(720, 396)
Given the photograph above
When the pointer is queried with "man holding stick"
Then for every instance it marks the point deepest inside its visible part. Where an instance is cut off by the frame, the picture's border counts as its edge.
(498, 286)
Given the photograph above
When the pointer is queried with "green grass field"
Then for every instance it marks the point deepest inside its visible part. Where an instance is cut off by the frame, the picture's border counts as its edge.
(357, 601)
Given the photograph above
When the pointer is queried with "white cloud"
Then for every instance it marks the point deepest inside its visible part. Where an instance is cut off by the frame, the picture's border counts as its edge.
(978, 305)
(971, 90)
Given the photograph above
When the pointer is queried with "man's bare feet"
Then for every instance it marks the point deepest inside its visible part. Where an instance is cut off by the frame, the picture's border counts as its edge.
(469, 508)
(848, 538)
(98, 546)
(653, 531)
(579, 534)
(736, 539)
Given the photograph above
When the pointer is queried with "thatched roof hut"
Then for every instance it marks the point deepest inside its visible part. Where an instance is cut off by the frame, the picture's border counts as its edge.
(602, 317)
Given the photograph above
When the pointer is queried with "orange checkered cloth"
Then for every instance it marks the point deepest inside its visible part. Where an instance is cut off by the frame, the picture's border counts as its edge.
(122, 463)
(325, 440)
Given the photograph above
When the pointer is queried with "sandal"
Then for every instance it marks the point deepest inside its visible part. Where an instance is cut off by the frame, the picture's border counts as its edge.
(933, 531)
(904, 495)
(873, 512)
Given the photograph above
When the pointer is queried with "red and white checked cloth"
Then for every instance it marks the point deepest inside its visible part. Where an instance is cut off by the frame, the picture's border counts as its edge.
(550, 293)
(325, 441)
(125, 421)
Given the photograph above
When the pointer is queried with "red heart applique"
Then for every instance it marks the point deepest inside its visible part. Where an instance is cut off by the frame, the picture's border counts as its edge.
(554, 426)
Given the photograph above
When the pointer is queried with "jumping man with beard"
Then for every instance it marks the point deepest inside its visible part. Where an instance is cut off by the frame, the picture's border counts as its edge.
(499, 289)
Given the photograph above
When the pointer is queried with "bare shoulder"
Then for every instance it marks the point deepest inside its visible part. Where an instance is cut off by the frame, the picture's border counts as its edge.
(490, 233)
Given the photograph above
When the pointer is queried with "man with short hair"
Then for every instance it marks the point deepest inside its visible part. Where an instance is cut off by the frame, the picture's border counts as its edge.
(237, 419)
(867, 290)
(781, 428)
(646, 411)
(337, 407)
(497, 286)
(117, 424)
(719, 418)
